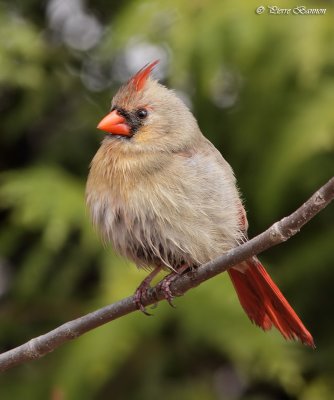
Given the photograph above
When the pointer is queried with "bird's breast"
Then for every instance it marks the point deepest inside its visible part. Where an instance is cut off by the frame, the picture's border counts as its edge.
(158, 211)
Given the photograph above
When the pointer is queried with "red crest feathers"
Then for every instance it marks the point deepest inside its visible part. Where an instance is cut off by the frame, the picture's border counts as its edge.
(138, 80)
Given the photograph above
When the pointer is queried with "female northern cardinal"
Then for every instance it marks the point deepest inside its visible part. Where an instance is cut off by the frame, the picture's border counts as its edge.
(166, 199)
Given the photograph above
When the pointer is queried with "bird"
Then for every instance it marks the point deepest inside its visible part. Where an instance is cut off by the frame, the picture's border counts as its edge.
(165, 198)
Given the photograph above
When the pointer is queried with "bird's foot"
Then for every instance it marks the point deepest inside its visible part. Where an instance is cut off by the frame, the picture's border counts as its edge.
(164, 285)
(140, 295)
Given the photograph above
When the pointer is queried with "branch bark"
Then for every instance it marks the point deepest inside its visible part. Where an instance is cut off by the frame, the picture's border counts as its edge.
(279, 232)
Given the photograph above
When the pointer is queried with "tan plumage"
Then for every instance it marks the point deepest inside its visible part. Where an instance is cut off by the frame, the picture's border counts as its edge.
(163, 195)
(140, 199)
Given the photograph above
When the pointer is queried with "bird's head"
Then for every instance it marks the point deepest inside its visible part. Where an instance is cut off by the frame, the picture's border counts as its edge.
(148, 116)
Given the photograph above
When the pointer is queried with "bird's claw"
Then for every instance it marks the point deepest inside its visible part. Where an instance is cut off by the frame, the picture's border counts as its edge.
(140, 296)
(141, 291)
(164, 286)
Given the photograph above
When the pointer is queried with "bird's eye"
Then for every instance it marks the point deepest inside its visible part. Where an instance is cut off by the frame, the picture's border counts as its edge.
(142, 113)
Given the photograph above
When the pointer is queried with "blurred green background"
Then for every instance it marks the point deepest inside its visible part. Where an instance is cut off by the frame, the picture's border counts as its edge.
(262, 89)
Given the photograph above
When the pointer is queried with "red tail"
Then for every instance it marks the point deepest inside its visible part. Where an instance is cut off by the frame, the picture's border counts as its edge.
(264, 303)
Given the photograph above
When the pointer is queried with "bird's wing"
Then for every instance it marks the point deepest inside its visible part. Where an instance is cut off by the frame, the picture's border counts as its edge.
(211, 156)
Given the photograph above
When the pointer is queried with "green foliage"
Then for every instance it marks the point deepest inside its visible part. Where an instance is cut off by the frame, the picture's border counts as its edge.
(262, 89)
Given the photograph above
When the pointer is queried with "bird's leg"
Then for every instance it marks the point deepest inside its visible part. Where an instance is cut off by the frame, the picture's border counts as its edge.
(164, 285)
(141, 291)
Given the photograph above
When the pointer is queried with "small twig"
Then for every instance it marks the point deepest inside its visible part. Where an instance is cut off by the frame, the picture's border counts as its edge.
(277, 233)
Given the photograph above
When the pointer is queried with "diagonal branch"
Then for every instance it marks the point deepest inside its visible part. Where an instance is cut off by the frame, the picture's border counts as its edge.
(277, 233)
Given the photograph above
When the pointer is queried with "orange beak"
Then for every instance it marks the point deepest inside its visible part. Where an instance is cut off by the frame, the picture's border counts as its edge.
(115, 124)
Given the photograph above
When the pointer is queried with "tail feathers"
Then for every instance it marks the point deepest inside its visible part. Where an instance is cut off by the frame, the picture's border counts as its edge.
(264, 303)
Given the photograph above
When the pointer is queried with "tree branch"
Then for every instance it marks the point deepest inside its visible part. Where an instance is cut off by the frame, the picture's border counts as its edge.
(277, 233)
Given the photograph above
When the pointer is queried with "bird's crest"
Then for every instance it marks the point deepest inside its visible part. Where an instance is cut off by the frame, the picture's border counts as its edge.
(138, 80)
